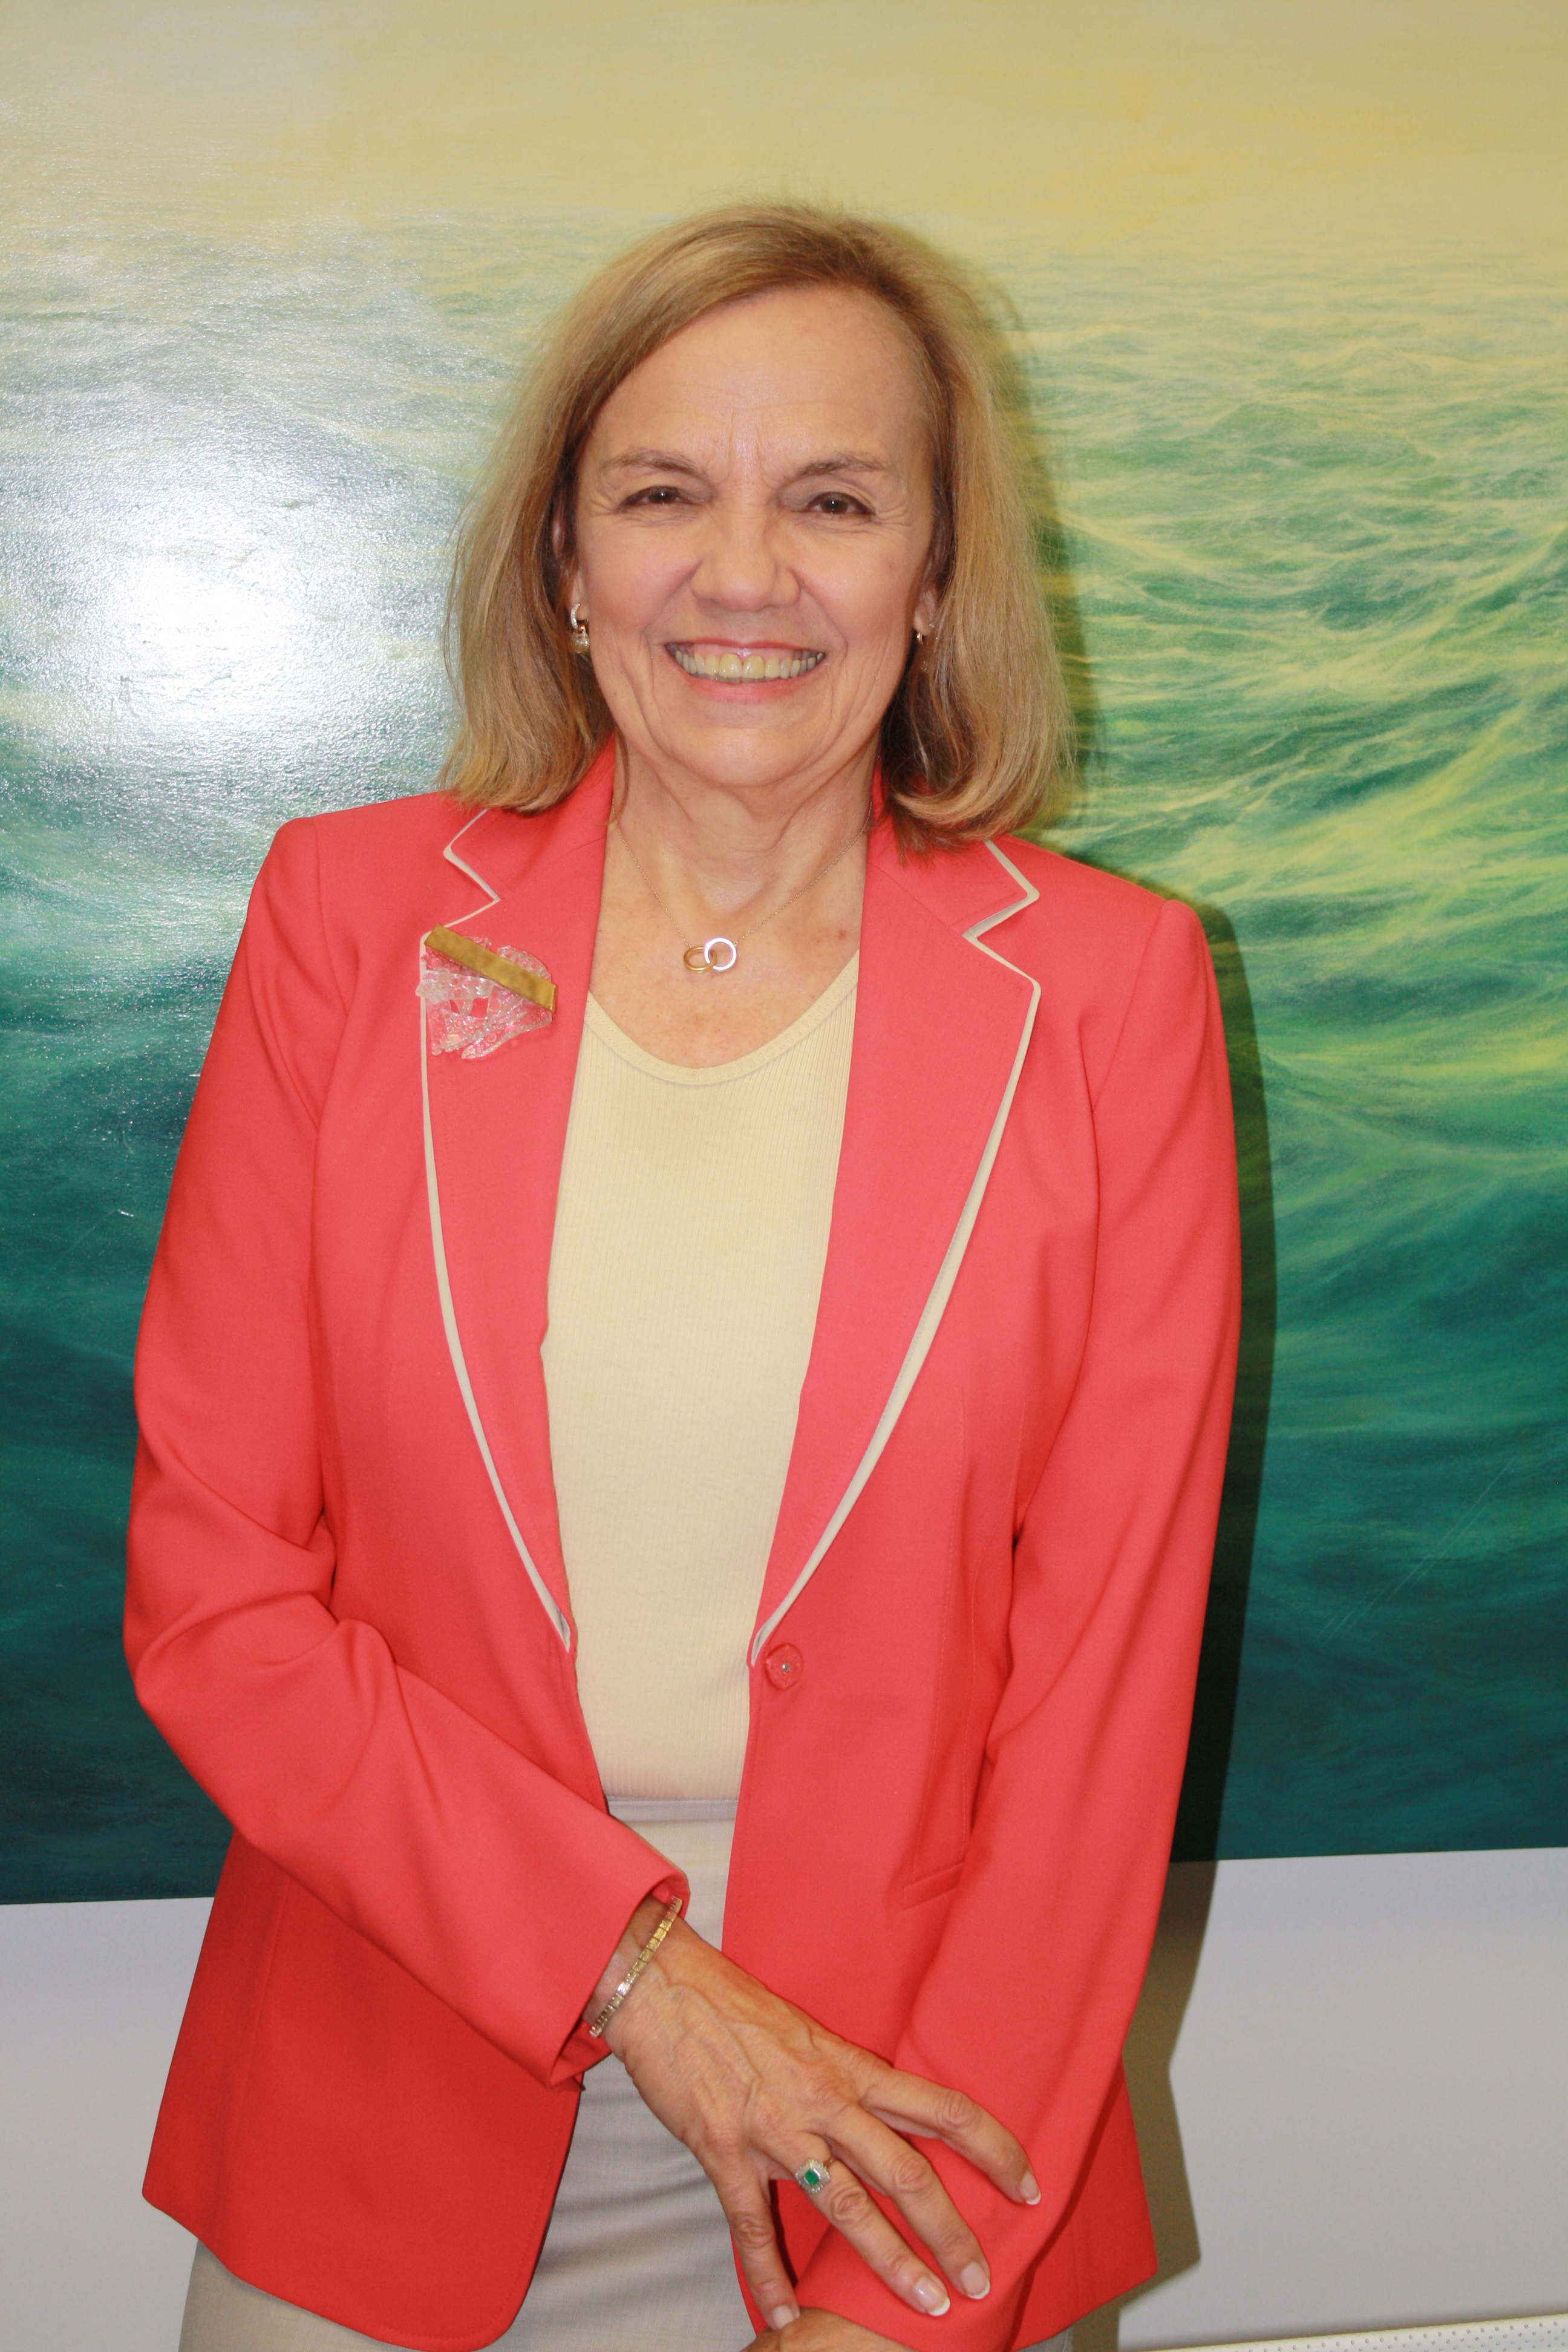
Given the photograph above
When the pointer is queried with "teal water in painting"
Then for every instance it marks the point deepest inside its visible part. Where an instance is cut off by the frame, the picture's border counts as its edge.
(1315, 581)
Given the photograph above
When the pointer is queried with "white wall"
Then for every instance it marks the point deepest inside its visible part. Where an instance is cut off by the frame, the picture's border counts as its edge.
(1350, 2077)
(1364, 2122)
(90, 1996)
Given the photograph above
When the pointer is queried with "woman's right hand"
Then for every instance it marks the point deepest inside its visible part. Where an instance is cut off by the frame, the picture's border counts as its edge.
(756, 2089)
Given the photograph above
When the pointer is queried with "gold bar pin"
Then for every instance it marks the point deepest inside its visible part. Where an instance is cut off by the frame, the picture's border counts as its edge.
(490, 966)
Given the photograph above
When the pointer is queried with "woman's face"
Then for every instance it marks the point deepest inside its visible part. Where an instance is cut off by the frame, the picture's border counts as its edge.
(753, 525)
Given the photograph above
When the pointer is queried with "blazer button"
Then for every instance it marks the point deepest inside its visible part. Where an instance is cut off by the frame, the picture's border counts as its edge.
(784, 1666)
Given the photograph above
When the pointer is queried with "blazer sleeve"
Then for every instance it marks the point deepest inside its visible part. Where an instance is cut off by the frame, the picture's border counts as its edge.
(1028, 1999)
(500, 1889)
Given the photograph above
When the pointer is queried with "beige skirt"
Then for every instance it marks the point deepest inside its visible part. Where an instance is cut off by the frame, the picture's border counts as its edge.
(637, 2251)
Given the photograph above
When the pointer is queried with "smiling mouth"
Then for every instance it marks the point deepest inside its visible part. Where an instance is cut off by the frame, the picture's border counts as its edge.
(732, 666)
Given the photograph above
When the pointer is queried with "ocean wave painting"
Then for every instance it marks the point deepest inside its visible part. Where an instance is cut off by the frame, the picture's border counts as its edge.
(1312, 576)
(1324, 594)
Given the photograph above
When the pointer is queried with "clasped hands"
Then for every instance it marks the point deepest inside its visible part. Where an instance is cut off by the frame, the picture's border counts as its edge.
(755, 2089)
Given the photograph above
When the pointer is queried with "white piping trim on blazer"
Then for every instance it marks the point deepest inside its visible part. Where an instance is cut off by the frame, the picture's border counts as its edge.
(947, 1275)
(452, 858)
(443, 1280)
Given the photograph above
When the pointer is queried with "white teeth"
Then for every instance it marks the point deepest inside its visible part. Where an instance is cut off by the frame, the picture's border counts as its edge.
(749, 667)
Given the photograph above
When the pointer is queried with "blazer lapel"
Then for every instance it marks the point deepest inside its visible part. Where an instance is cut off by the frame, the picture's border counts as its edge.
(941, 1026)
(495, 1131)
(942, 1023)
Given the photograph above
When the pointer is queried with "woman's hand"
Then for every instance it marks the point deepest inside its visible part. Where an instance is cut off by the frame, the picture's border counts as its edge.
(756, 2089)
(822, 2331)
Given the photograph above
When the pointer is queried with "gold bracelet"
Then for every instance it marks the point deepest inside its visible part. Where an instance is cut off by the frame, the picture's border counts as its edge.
(672, 1914)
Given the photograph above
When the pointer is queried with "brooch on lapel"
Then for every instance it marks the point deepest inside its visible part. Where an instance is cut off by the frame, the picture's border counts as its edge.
(479, 996)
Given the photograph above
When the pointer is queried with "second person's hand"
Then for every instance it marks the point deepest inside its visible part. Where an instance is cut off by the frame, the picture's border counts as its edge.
(823, 2331)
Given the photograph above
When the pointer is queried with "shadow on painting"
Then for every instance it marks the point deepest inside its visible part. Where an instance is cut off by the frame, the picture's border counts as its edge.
(1219, 1666)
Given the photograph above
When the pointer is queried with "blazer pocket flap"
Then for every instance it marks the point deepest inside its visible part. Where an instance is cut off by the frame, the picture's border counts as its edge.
(935, 1882)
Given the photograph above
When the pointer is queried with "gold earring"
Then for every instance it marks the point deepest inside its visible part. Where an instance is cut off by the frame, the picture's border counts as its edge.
(920, 636)
(577, 620)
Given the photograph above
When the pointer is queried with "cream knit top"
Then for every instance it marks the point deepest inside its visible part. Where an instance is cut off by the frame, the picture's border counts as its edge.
(690, 1235)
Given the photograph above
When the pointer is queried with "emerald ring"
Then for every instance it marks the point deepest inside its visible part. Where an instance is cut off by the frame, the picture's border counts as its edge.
(814, 2176)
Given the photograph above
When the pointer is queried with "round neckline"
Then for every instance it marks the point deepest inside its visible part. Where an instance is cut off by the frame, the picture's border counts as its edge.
(684, 1074)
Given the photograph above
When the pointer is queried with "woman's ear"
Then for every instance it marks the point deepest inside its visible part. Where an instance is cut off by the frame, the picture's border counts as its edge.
(572, 580)
(924, 615)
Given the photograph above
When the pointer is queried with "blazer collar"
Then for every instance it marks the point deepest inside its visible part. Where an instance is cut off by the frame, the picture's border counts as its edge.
(942, 1027)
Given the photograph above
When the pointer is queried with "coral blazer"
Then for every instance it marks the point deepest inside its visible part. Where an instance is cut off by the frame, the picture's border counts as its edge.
(973, 1658)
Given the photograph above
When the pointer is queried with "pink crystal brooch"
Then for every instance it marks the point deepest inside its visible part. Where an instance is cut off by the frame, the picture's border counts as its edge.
(479, 996)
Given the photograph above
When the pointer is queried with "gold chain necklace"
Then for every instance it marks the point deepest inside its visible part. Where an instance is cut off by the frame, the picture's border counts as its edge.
(723, 953)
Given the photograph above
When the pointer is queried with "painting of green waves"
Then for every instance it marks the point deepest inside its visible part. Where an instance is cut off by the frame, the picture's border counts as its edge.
(1313, 577)
(1323, 572)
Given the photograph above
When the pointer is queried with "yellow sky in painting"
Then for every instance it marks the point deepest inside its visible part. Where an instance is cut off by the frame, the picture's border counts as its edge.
(1177, 123)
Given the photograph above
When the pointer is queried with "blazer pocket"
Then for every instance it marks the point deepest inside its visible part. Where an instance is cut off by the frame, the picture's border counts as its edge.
(935, 1882)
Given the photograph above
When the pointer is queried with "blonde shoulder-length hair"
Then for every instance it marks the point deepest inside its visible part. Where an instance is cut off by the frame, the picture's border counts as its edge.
(978, 730)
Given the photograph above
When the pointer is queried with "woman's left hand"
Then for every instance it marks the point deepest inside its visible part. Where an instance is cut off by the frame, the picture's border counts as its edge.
(822, 2331)
(756, 2088)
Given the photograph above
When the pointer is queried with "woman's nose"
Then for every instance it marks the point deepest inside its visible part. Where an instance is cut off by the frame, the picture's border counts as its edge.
(739, 568)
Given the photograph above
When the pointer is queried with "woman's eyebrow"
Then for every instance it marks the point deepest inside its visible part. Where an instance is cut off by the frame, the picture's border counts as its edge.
(842, 461)
(670, 461)
(652, 461)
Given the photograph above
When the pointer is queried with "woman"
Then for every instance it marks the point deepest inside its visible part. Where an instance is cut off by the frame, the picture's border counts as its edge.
(755, 1368)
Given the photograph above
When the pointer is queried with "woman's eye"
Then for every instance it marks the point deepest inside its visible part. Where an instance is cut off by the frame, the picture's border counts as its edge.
(837, 502)
(658, 494)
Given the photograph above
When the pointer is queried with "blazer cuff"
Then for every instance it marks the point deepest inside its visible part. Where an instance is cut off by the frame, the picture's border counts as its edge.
(580, 2050)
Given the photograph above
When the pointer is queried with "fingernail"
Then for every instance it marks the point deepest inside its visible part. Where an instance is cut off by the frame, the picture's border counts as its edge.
(975, 2281)
(782, 2317)
(932, 2296)
(1029, 2190)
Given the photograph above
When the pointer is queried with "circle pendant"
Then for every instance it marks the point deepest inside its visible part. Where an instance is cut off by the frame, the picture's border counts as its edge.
(714, 955)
